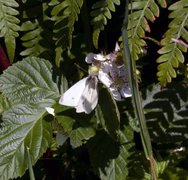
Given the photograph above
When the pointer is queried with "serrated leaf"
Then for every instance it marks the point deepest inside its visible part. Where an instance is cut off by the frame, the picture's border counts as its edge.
(23, 126)
(29, 80)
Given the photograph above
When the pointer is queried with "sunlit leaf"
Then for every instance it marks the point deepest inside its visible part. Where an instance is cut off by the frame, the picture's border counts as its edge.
(29, 80)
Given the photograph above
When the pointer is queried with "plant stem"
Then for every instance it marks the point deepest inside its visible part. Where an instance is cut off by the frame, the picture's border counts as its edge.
(137, 102)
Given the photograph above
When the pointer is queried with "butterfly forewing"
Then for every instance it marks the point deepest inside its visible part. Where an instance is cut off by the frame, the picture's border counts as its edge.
(72, 96)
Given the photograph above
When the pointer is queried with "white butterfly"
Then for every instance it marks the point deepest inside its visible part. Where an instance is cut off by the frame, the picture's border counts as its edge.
(83, 95)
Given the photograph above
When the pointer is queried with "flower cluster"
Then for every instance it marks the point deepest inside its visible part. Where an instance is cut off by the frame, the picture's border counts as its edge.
(109, 70)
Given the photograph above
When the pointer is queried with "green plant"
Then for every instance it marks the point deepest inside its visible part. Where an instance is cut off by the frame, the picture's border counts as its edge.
(46, 43)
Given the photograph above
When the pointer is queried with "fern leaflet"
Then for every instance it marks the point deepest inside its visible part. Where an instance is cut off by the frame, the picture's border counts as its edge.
(31, 38)
(65, 14)
(143, 12)
(171, 52)
(9, 25)
(100, 13)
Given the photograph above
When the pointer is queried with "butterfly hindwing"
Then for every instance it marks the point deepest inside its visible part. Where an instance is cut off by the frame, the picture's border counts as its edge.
(89, 98)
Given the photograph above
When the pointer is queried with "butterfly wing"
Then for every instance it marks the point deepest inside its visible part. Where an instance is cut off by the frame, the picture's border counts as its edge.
(72, 96)
(89, 98)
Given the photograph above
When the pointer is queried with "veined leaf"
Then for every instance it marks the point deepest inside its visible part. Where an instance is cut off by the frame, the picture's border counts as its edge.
(29, 80)
(100, 13)
(23, 126)
(171, 52)
(28, 85)
(4, 104)
(9, 25)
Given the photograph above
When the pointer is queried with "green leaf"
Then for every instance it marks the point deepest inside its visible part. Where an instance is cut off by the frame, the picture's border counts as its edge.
(65, 14)
(166, 113)
(109, 158)
(107, 113)
(9, 25)
(23, 126)
(4, 104)
(101, 11)
(31, 38)
(172, 50)
(28, 85)
(78, 127)
(29, 80)
(162, 3)
(143, 12)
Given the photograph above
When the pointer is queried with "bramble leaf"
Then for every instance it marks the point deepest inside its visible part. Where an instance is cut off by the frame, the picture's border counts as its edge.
(29, 80)
(23, 126)
(29, 87)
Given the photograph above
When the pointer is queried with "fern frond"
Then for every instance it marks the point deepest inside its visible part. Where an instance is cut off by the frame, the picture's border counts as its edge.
(9, 25)
(65, 14)
(31, 38)
(101, 11)
(38, 31)
(171, 52)
(143, 12)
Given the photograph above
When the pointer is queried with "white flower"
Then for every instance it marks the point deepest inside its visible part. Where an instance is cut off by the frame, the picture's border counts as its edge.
(115, 78)
(111, 72)
(92, 57)
(83, 95)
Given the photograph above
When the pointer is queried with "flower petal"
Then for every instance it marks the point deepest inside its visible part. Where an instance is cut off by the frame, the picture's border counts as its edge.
(105, 78)
(115, 93)
(99, 57)
(89, 58)
(126, 91)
